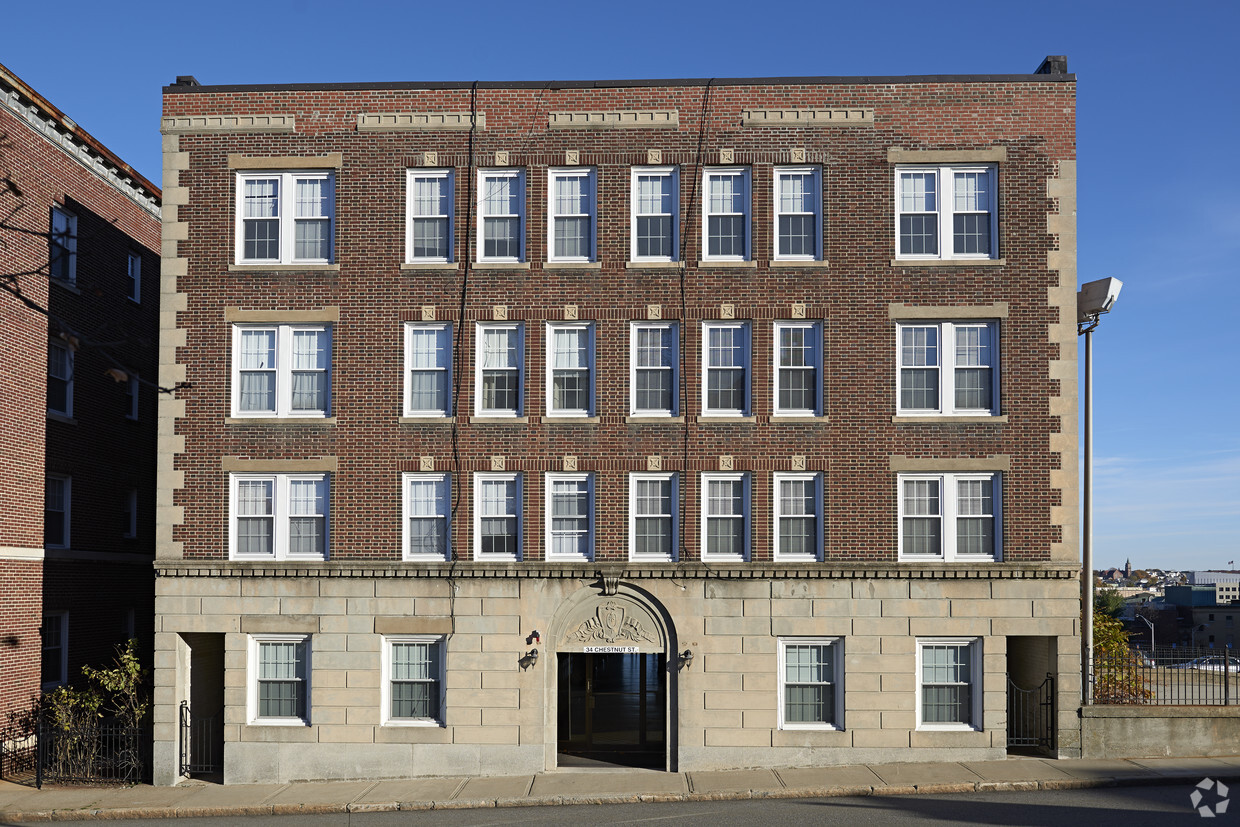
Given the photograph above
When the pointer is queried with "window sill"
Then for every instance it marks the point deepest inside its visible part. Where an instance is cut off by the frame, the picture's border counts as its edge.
(483, 419)
(413, 724)
(573, 265)
(792, 262)
(948, 262)
(277, 722)
(949, 419)
(725, 418)
(446, 266)
(71, 286)
(552, 419)
(283, 421)
(798, 419)
(426, 420)
(59, 417)
(751, 265)
(283, 268)
(501, 265)
(639, 419)
(653, 265)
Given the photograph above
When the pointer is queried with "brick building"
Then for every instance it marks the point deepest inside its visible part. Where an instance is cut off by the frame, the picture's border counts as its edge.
(466, 360)
(80, 272)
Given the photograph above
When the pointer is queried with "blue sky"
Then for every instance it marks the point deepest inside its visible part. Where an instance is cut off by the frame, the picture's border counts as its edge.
(1158, 121)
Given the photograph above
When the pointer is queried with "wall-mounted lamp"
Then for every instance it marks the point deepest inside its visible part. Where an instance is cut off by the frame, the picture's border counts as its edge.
(686, 659)
(528, 659)
(533, 637)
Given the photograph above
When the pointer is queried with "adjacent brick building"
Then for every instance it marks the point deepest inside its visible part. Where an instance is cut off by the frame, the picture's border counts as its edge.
(465, 360)
(80, 272)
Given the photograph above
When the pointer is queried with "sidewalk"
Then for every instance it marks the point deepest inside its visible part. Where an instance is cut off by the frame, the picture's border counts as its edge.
(19, 803)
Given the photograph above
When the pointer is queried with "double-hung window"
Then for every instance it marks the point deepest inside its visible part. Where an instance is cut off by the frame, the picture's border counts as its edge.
(134, 277)
(654, 366)
(281, 370)
(726, 363)
(949, 683)
(428, 369)
(59, 378)
(570, 369)
(655, 208)
(798, 516)
(56, 510)
(948, 368)
(279, 685)
(499, 380)
(572, 208)
(501, 215)
(428, 516)
(497, 516)
(129, 514)
(428, 232)
(946, 212)
(62, 246)
(54, 635)
(131, 397)
(570, 517)
(413, 681)
(725, 219)
(286, 217)
(810, 695)
(278, 516)
(653, 516)
(798, 213)
(725, 516)
(798, 368)
(950, 516)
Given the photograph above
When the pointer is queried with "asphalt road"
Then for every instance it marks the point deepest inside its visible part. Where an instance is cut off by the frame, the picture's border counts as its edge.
(1107, 807)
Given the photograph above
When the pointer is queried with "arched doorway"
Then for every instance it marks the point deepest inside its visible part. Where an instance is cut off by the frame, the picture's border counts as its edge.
(613, 688)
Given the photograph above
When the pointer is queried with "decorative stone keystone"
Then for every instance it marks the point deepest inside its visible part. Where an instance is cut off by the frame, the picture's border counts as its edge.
(499, 312)
(798, 310)
(654, 156)
(570, 311)
(727, 311)
(654, 311)
(572, 157)
(798, 463)
(426, 463)
(654, 463)
(428, 312)
(726, 463)
(501, 159)
(497, 463)
(570, 463)
(725, 156)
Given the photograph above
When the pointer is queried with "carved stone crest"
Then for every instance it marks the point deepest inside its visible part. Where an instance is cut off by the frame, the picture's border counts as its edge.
(611, 623)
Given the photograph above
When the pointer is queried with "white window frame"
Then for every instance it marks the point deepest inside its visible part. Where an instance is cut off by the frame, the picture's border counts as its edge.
(708, 173)
(589, 175)
(779, 370)
(131, 393)
(130, 515)
(447, 180)
(549, 531)
(64, 240)
(746, 331)
(443, 511)
(66, 512)
(836, 682)
(746, 480)
(672, 175)
(948, 515)
(515, 478)
(67, 378)
(976, 688)
(673, 370)
(518, 174)
(551, 369)
(385, 683)
(443, 333)
(62, 644)
(252, 680)
(948, 367)
(815, 172)
(286, 194)
(945, 210)
(280, 515)
(673, 480)
(518, 329)
(283, 369)
(134, 273)
(815, 481)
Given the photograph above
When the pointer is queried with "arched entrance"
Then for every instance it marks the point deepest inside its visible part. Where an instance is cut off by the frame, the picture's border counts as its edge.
(613, 688)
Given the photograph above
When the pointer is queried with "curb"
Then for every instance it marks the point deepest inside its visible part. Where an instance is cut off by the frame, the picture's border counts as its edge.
(599, 800)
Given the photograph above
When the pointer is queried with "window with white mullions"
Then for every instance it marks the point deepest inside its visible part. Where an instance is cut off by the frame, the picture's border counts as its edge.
(500, 358)
(950, 516)
(279, 680)
(281, 370)
(571, 197)
(56, 510)
(798, 368)
(975, 516)
(427, 513)
(726, 214)
(948, 683)
(62, 246)
(798, 516)
(271, 231)
(726, 361)
(414, 681)
(798, 210)
(948, 368)
(428, 369)
(725, 517)
(655, 201)
(59, 378)
(946, 212)
(279, 516)
(810, 696)
(654, 365)
(653, 501)
(497, 516)
(570, 516)
(570, 369)
(501, 215)
(429, 207)
(971, 230)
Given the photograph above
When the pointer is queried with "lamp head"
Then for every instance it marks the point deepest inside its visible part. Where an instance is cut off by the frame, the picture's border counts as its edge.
(1096, 298)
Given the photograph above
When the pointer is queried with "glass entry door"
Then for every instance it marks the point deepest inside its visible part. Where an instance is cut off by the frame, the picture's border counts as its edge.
(612, 709)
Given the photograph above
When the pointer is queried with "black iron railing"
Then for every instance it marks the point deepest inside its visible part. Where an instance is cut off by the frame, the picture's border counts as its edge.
(1167, 676)
(201, 741)
(1031, 715)
(40, 751)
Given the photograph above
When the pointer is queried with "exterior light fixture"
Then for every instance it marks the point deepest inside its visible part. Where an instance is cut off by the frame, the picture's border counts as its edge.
(528, 659)
(686, 659)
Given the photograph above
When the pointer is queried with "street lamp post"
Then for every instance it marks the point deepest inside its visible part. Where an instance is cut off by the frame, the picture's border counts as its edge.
(1092, 300)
